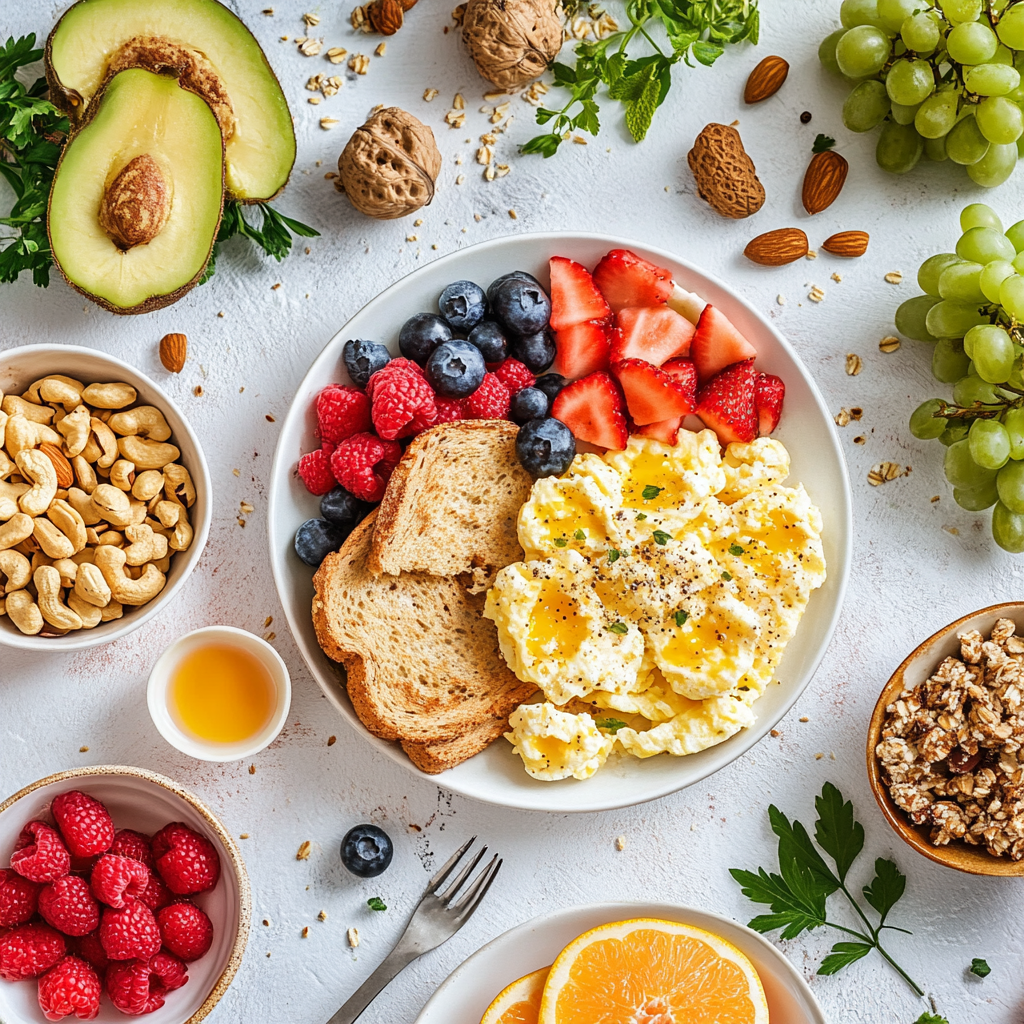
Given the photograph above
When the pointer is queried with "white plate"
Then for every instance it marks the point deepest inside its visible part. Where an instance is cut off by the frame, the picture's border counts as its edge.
(469, 989)
(496, 775)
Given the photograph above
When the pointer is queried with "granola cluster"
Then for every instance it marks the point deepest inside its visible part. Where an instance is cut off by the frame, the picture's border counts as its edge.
(950, 746)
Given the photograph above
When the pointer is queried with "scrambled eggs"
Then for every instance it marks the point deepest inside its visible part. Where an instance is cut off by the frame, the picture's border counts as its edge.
(660, 583)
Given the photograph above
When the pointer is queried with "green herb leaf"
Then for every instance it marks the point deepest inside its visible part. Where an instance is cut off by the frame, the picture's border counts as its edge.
(560, 542)
(735, 549)
(580, 535)
(613, 555)
(837, 833)
(612, 725)
(681, 617)
(843, 954)
(376, 903)
(726, 576)
(661, 537)
(650, 492)
(618, 627)
(887, 887)
(822, 142)
(794, 911)
(980, 968)
(931, 1018)
(641, 516)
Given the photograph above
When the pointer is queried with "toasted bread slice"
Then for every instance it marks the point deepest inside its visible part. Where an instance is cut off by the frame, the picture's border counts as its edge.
(434, 758)
(452, 502)
(423, 664)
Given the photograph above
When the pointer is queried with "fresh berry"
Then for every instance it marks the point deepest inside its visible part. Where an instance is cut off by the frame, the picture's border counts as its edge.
(490, 338)
(186, 861)
(490, 401)
(90, 949)
(574, 296)
(315, 471)
(551, 384)
(528, 404)
(450, 409)
(139, 986)
(129, 843)
(514, 375)
(403, 405)
(769, 394)
(363, 465)
(455, 369)
(71, 987)
(512, 275)
(717, 344)
(726, 403)
(157, 894)
(545, 447)
(656, 334)
(521, 305)
(68, 905)
(29, 950)
(116, 879)
(686, 374)
(537, 350)
(463, 304)
(651, 394)
(366, 851)
(39, 855)
(363, 359)
(84, 823)
(396, 368)
(342, 508)
(19, 898)
(129, 932)
(625, 279)
(582, 349)
(666, 431)
(594, 410)
(421, 334)
(341, 411)
(315, 539)
(186, 930)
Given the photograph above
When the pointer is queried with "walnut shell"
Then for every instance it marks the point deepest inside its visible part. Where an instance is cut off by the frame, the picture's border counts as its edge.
(390, 164)
(511, 41)
(725, 174)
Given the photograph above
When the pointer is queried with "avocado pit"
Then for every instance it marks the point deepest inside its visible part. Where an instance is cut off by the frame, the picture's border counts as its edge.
(136, 204)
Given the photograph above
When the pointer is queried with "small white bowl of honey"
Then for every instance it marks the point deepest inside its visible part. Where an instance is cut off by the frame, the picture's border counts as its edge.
(219, 694)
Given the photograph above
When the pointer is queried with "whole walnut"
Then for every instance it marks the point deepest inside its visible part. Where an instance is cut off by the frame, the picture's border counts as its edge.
(511, 41)
(390, 164)
(725, 174)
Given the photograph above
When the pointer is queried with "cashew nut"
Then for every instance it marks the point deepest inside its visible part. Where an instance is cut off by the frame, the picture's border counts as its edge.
(39, 471)
(89, 614)
(91, 536)
(90, 586)
(38, 559)
(107, 441)
(147, 485)
(17, 568)
(6, 466)
(76, 430)
(146, 546)
(112, 504)
(163, 564)
(84, 474)
(144, 420)
(15, 406)
(8, 507)
(181, 539)
(111, 562)
(82, 504)
(21, 433)
(110, 396)
(58, 391)
(24, 612)
(122, 474)
(168, 512)
(111, 611)
(69, 522)
(86, 555)
(112, 537)
(33, 392)
(51, 540)
(68, 569)
(179, 484)
(146, 454)
(47, 581)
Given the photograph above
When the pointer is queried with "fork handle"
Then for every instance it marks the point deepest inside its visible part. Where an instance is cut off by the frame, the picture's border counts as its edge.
(391, 966)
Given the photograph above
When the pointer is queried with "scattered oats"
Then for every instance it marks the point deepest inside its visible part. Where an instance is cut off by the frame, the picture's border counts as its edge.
(838, 278)
(304, 851)
(842, 417)
(284, 39)
(83, 750)
(269, 619)
(274, 287)
(359, 20)
(484, 155)
(953, 530)
(243, 835)
(477, 217)
(336, 54)
(854, 364)
(812, 254)
(382, 48)
(311, 47)
(860, 439)
(502, 169)
(375, 108)
(780, 299)
(246, 510)
(502, 109)
(455, 119)
(489, 174)
(804, 718)
(429, 94)
(459, 103)
(489, 139)
(353, 937)
(221, 314)
(311, 20)
(818, 756)
(460, 179)
(620, 843)
(322, 916)
(327, 123)
(883, 473)
(315, 83)
(580, 141)
(329, 176)
(935, 498)
(605, 26)
(417, 222)
(331, 88)
(535, 93)
(459, 160)
(412, 238)
(236, 472)
(463, 230)
(305, 932)
(856, 412)
(252, 769)
(198, 390)
(889, 344)
(816, 294)
(434, 246)
(269, 637)
(268, 11)
(513, 215)
(331, 740)
(493, 97)
(894, 277)
(487, 110)
(775, 733)
(359, 63)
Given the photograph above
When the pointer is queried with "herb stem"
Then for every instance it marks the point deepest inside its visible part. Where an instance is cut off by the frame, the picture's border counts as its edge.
(899, 970)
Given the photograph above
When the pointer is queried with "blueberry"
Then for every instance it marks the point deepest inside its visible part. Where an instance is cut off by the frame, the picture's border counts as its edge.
(551, 384)
(490, 339)
(528, 404)
(521, 305)
(421, 334)
(515, 275)
(366, 851)
(455, 369)
(463, 304)
(315, 539)
(342, 508)
(537, 351)
(545, 447)
(363, 358)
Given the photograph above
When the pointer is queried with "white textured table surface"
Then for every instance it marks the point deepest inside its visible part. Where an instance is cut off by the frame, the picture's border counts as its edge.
(910, 575)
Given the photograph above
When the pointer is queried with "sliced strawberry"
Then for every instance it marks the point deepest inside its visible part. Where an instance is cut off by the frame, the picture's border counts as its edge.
(726, 403)
(627, 280)
(686, 374)
(582, 349)
(664, 430)
(654, 334)
(769, 394)
(594, 410)
(574, 296)
(717, 344)
(651, 394)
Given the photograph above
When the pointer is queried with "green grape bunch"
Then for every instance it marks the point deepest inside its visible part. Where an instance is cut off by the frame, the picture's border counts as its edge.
(972, 311)
(942, 79)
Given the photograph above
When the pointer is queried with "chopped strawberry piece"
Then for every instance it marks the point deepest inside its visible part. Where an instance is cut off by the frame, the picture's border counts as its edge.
(686, 374)
(594, 410)
(627, 280)
(662, 430)
(769, 394)
(717, 344)
(574, 296)
(726, 403)
(651, 394)
(581, 349)
(655, 334)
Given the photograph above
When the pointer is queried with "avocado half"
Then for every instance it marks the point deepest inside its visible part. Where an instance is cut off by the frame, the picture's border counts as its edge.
(208, 49)
(138, 193)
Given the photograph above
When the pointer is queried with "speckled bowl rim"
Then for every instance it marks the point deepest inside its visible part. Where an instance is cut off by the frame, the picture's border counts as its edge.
(234, 855)
(967, 859)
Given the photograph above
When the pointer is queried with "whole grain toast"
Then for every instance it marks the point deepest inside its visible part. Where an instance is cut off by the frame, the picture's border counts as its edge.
(434, 758)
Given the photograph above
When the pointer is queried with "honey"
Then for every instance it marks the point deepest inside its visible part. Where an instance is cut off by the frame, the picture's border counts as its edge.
(221, 693)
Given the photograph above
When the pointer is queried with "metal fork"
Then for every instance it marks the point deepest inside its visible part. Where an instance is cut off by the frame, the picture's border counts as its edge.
(437, 917)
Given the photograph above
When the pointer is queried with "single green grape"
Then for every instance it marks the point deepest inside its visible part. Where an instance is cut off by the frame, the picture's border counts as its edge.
(976, 500)
(929, 272)
(1003, 55)
(995, 166)
(1013, 420)
(1008, 529)
(911, 316)
(960, 282)
(961, 10)
(1010, 484)
(1011, 28)
(961, 469)
(965, 144)
(991, 79)
(909, 82)
(991, 349)
(992, 277)
(956, 431)
(862, 51)
(924, 423)
(920, 33)
(948, 319)
(866, 107)
(989, 444)
(971, 42)
(978, 215)
(1000, 120)
(904, 114)
(969, 391)
(827, 51)
(899, 147)
(1011, 296)
(892, 13)
(982, 245)
(935, 149)
(936, 115)
(1017, 262)
(1015, 233)
(949, 360)
(859, 12)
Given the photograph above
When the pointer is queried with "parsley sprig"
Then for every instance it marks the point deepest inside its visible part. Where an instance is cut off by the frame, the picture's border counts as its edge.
(689, 30)
(797, 895)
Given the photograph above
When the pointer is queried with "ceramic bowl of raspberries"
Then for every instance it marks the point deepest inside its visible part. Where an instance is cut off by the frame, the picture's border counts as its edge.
(121, 894)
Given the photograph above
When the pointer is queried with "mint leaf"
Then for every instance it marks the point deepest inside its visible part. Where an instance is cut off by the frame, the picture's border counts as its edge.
(707, 53)
(980, 968)
(661, 537)
(887, 887)
(931, 1018)
(376, 903)
(837, 833)
(735, 549)
(822, 142)
(650, 492)
(843, 954)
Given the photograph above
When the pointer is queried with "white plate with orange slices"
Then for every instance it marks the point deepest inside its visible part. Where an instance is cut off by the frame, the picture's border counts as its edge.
(625, 961)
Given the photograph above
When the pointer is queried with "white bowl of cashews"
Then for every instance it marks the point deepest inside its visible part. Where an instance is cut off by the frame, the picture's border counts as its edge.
(104, 498)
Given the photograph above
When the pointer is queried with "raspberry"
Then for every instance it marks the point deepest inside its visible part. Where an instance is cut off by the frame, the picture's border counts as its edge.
(68, 905)
(157, 894)
(186, 861)
(403, 405)
(341, 411)
(90, 949)
(139, 986)
(397, 367)
(39, 855)
(515, 375)
(449, 409)
(315, 471)
(129, 932)
(129, 843)
(116, 879)
(363, 465)
(490, 401)
(72, 987)
(186, 930)
(19, 898)
(29, 950)
(84, 823)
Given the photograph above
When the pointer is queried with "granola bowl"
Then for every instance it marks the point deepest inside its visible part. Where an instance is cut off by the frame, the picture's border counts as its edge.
(967, 777)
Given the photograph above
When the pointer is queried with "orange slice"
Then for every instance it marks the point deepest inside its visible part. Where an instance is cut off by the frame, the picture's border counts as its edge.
(658, 972)
(519, 1003)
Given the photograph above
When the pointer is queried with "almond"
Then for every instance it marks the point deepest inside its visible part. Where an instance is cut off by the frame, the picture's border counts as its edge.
(846, 243)
(776, 248)
(65, 474)
(766, 79)
(824, 180)
(173, 350)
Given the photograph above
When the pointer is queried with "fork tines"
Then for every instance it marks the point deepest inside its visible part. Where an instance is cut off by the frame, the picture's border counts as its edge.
(471, 896)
